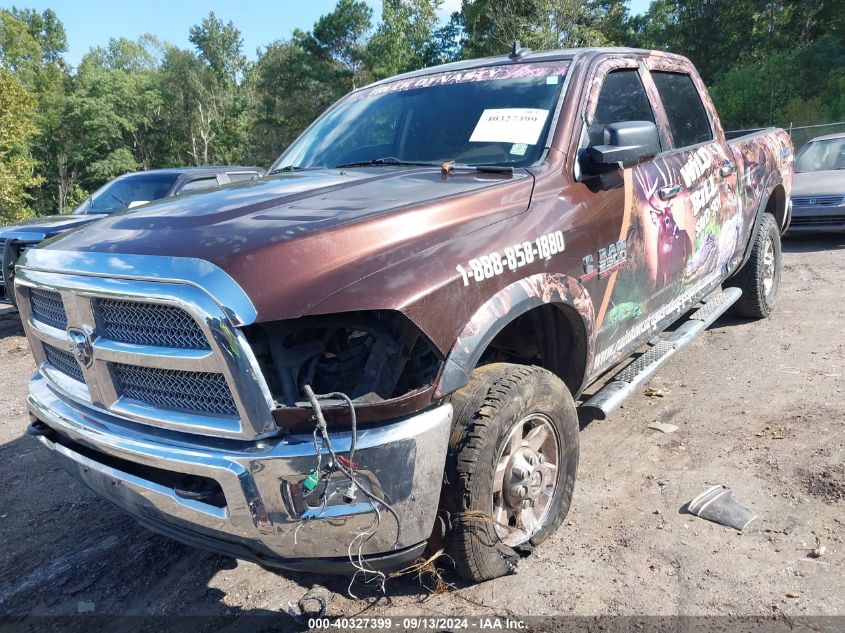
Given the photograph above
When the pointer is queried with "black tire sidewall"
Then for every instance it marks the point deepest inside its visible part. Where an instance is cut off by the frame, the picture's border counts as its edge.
(755, 303)
(544, 398)
(769, 231)
(503, 394)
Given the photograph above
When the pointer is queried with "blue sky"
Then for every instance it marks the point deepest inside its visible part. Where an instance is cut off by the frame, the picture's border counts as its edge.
(91, 23)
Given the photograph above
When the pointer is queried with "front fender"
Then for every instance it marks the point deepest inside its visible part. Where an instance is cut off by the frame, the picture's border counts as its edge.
(505, 306)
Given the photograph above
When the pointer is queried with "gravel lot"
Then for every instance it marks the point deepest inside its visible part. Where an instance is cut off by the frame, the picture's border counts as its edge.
(759, 405)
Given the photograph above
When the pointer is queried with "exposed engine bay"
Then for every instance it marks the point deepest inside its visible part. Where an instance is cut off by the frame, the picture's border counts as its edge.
(370, 356)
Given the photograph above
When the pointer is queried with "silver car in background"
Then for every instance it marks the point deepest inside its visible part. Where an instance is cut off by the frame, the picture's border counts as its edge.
(818, 189)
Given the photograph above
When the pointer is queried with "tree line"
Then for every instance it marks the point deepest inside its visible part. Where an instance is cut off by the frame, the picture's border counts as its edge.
(142, 104)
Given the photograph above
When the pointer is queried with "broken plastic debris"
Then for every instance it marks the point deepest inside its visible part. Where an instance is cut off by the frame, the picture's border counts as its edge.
(651, 392)
(664, 427)
(717, 504)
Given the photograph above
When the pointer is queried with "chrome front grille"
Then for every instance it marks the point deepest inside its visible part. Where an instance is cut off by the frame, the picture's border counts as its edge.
(148, 324)
(817, 201)
(158, 347)
(48, 308)
(192, 391)
(64, 362)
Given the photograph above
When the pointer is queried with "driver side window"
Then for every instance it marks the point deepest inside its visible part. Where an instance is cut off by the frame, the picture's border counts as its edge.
(622, 98)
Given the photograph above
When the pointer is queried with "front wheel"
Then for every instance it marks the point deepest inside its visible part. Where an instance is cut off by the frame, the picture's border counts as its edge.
(510, 471)
(759, 279)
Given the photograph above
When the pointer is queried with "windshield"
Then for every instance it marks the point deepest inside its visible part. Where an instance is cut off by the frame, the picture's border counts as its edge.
(128, 192)
(821, 156)
(499, 115)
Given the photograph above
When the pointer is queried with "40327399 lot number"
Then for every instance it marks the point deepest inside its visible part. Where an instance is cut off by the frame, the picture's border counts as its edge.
(513, 258)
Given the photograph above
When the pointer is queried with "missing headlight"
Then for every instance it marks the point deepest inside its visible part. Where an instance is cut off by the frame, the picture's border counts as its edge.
(370, 356)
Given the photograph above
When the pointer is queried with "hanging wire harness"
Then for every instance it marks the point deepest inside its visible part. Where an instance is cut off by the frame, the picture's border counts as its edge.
(348, 468)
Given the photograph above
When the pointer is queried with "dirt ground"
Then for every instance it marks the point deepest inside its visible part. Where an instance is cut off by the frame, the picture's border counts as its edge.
(760, 408)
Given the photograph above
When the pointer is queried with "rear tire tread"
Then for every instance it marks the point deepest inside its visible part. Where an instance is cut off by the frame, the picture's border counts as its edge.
(753, 303)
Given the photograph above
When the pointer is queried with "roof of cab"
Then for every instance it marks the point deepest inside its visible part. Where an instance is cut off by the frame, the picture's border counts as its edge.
(538, 56)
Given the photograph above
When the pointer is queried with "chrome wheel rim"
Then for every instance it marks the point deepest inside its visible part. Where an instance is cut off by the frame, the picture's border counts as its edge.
(768, 266)
(525, 479)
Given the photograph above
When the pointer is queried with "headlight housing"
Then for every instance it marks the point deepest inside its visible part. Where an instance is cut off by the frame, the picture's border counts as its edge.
(378, 358)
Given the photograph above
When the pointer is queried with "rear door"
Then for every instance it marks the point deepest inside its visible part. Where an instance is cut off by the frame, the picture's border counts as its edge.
(698, 226)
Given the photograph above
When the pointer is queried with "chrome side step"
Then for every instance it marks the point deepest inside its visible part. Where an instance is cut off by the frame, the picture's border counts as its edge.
(661, 349)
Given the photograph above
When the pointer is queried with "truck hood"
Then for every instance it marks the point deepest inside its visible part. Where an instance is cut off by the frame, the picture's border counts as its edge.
(819, 183)
(37, 229)
(290, 241)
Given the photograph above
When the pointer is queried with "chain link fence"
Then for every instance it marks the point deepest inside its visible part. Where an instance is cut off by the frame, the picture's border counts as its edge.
(803, 133)
(800, 134)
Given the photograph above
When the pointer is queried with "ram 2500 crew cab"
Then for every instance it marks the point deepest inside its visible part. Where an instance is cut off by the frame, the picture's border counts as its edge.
(460, 252)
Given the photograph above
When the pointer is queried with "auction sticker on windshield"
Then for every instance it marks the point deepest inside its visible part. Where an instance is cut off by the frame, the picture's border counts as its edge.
(509, 125)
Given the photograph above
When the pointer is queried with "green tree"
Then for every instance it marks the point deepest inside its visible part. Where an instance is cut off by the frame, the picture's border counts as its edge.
(405, 39)
(338, 42)
(290, 93)
(493, 25)
(208, 99)
(294, 81)
(141, 55)
(447, 42)
(31, 47)
(220, 46)
(17, 167)
(30, 41)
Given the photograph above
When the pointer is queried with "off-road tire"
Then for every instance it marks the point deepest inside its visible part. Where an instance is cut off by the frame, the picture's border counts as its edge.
(486, 409)
(756, 302)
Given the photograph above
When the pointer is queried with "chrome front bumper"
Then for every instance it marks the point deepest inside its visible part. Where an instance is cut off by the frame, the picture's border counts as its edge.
(127, 463)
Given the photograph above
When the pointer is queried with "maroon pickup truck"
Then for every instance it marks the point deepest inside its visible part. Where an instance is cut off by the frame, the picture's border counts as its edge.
(380, 343)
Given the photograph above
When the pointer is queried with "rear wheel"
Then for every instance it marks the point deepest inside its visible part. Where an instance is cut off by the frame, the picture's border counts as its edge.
(511, 468)
(759, 279)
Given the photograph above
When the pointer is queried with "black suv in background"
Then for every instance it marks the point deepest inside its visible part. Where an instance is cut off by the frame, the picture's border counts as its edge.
(124, 192)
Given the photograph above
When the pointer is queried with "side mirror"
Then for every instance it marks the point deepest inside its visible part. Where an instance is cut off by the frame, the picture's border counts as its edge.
(625, 144)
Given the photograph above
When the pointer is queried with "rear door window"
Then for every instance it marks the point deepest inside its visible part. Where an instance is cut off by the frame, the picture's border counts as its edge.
(199, 184)
(688, 119)
(622, 98)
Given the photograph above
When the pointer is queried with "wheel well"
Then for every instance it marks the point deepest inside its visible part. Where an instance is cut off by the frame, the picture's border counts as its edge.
(776, 205)
(549, 336)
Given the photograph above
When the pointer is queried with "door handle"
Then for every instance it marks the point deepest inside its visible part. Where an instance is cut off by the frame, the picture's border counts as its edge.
(669, 191)
(727, 169)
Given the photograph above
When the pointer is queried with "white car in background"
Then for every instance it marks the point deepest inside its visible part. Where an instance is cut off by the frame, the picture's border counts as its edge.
(818, 189)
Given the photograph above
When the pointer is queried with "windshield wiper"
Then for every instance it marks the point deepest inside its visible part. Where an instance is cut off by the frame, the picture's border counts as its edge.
(125, 206)
(288, 168)
(493, 169)
(449, 166)
(389, 160)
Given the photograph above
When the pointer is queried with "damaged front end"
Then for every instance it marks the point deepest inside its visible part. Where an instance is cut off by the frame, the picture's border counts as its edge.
(378, 358)
(163, 401)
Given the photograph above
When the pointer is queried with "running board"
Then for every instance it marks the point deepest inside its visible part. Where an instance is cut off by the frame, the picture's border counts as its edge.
(661, 349)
